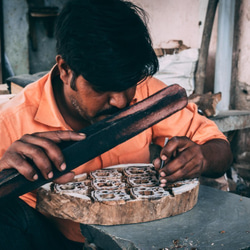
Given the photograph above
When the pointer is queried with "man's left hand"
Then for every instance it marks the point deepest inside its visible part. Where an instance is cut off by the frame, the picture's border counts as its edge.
(183, 159)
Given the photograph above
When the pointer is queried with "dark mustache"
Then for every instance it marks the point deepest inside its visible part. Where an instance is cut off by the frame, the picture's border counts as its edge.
(109, 111)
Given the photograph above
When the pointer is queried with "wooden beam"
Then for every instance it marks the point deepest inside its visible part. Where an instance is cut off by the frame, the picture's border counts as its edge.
(200, 75)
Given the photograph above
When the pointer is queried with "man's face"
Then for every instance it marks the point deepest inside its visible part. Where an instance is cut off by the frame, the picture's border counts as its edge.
(93, 106)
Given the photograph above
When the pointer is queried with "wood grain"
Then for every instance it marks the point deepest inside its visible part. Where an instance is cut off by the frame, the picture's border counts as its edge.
(78, 208)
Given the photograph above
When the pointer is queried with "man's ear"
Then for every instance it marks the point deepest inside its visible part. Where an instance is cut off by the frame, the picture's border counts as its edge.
(64, 69)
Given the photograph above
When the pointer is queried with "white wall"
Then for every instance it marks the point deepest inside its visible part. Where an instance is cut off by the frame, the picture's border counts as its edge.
(168, 20)
(175, 20)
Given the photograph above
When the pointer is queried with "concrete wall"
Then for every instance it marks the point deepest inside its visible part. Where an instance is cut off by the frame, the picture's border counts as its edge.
(242, 84)
(168, 20)
(179, 20)
(17, 43)
(240, 94)
(16, 34)
(44, 58)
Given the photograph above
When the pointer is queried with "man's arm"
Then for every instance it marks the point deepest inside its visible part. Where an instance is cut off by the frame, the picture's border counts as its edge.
(184, 159)
(42, 149)
(218, 157)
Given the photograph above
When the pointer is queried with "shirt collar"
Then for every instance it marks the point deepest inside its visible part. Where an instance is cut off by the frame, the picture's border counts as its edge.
(48, 112)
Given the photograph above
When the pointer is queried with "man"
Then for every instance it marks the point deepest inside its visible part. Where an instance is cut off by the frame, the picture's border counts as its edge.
(105, 63)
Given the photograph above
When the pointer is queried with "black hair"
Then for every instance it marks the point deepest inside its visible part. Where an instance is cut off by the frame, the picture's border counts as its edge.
(107, 42)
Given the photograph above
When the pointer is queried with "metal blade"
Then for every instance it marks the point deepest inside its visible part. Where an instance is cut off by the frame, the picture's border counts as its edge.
(137, 165)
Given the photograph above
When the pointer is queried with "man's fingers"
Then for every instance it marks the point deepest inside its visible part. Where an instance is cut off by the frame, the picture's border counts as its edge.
(16, 161)
(175, 146)
(157, 162)
(190, 170)
(59, 136)
(179, 162)
(179, 175)
(65, 178)
(37, 154)
(43, 152)
(40, 149)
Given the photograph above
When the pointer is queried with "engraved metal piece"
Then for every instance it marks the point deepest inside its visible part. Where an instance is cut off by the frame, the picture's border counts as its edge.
(106, 173)
(134, 171)
(110, 195)
(148, 192)
(72, 187)
(129, 182)
(104, 183)
(146, 181)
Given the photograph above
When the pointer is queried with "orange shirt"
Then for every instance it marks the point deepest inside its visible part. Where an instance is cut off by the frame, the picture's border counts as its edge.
(34, 109)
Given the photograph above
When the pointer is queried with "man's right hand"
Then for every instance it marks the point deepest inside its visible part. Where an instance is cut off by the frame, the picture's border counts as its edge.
(42, 149)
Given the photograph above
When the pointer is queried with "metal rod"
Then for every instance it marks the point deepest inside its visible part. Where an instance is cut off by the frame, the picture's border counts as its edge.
(224, 52)
(165, 143)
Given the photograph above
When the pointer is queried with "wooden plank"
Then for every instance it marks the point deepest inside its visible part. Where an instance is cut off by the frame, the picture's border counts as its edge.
(200, 75)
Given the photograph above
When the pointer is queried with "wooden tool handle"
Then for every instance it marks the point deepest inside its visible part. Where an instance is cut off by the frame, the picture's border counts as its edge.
(102, 137)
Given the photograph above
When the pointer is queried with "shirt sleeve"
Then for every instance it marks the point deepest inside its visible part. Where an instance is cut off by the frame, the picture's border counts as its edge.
(187, 122)
(5, 136)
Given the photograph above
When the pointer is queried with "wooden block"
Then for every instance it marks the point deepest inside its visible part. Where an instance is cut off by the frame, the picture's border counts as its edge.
(140, 203)
(15, 88)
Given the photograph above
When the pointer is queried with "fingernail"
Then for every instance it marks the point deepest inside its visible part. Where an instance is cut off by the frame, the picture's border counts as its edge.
(163, 181)
(162, 174)
(164, 157)
(35, 177)
(50, 175)
(83, 135)
(63, 166)
(162, 185)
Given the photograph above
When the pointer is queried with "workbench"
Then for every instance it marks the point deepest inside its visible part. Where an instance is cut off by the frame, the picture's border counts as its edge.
(220, 220)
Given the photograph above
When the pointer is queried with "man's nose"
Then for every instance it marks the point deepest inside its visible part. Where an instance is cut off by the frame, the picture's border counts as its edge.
(119, 100)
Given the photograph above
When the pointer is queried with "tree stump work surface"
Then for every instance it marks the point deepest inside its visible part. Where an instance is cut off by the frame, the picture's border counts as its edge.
(122, 194)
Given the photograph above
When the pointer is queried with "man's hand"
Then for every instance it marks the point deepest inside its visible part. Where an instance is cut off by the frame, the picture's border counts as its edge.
(42, 149)
(184, 159)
